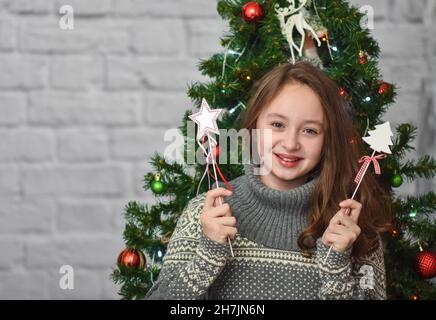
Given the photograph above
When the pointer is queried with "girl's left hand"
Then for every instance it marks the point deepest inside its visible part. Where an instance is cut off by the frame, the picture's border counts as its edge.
(343, 230)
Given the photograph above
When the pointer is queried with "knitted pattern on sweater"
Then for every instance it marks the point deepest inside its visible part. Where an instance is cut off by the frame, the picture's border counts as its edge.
(268, 263)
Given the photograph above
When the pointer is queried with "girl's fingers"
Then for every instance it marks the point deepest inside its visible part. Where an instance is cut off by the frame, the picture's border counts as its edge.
(337, 229)
(227, 221)
(220, 211)
(342, 223)
(230, 231)
(213, 194)
(336, 218)
(347, 221)
(218, 201)
(332, 238)
(340, 242)
(354, 208)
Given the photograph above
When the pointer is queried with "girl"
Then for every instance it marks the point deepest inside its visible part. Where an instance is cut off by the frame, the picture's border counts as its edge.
(284, 221)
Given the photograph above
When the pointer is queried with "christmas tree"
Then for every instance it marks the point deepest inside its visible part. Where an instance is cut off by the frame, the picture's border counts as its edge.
(263, 34)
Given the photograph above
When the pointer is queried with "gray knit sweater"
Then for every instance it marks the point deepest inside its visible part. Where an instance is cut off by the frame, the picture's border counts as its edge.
(268, 263)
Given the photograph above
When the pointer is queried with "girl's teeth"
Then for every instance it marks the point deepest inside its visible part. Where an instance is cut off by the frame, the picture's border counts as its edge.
(287, 160)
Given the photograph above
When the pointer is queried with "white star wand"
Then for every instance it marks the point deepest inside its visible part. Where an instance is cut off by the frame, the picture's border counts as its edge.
(206, 121)
(379, 140)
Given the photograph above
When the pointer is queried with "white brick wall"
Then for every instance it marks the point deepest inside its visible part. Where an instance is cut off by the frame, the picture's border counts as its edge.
(81, 112)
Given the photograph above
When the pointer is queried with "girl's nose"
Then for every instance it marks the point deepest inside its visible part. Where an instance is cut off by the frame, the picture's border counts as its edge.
(290, 141)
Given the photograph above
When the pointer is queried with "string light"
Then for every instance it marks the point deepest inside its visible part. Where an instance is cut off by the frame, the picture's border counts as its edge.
(240, 104)
(413, 213)
(233, 52)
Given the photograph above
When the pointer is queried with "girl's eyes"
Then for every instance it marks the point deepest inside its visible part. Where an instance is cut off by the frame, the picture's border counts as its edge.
(311, 131)
(279, 125)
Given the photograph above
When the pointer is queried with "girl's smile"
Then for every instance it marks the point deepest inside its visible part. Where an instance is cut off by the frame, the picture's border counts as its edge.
(287, 161)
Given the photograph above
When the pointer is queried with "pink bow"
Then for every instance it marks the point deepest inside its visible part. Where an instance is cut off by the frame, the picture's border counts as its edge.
(366, 161)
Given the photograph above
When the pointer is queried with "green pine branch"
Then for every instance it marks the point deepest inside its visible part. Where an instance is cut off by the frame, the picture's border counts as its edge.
(424, 167)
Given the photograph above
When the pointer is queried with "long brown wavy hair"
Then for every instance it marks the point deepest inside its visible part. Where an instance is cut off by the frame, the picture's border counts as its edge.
(341, 151)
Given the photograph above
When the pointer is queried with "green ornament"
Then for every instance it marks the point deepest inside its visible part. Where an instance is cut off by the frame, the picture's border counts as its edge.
(156, 185)
(397, 180)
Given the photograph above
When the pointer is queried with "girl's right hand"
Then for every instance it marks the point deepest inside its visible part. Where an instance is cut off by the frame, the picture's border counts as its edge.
(216, 220)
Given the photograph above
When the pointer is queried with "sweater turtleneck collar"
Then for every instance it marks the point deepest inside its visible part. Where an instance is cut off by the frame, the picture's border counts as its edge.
(271, 217)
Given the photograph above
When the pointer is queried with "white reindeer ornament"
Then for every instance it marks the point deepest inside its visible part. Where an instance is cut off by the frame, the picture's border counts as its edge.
(296, 20)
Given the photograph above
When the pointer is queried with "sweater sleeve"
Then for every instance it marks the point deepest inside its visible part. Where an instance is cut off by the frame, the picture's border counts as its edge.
(343, 277)
(192, 261)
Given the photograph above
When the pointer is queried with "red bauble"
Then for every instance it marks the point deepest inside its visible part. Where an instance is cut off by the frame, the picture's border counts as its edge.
(426, 264)
(131, 258)
(383, 87)
(252, 12)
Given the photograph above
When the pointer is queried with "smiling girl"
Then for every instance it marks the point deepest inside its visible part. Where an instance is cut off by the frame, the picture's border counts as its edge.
(283, 221)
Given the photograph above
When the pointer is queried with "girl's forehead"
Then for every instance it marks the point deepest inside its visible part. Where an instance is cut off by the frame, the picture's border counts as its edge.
(295, 103)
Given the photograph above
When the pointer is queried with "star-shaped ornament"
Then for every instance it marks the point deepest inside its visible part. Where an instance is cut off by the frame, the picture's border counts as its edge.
(206, 119)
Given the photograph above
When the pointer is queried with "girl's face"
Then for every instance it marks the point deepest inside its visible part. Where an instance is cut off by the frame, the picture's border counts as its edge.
(296, 118)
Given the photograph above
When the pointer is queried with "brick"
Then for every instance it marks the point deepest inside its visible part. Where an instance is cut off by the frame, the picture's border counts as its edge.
(185, 8)
(77, 73)
(79, 252)
(26, 145)
(136, 144)
(29, 6)
(426, 130)
(86, 7)
(404, 10)
(122, 73)
(22, 71)
(204, 35)
(67, 180)
(24, 285)
(165, 109)
(12, 253)
(169, 74)
(85, 37)
(94, 108)
(12, 108)
(30, 216)
(391, 40)
(408, 76)
(8, 37)
(82, 145)
(431, 50)
(84, 216)
(10, 180)
(156, 73)
(159, 37)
